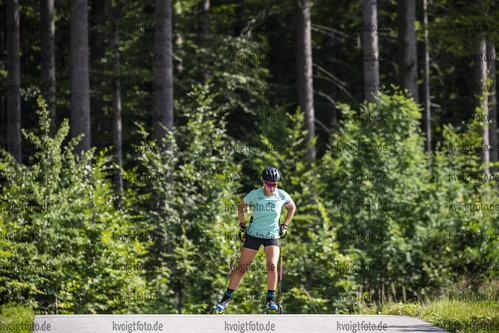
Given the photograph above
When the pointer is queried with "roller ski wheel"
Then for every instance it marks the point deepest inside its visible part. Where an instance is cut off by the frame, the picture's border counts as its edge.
(278, 311)
(217, 310)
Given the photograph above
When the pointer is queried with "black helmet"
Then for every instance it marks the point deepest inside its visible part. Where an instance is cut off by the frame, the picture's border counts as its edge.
(270, 174)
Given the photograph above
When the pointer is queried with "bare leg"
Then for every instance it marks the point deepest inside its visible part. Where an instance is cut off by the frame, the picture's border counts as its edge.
(247, 256)
(272, 255)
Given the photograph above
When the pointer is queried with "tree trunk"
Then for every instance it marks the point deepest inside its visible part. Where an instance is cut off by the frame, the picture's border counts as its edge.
(179, 40)
(203, 32)
(118, 157)
(80, 90)
(491, 55)
(48, 59)
(481, 67)
(408, 62)
(329, 40)
(13, 82)
(427, 110)
(98, 77)
(304, 71)
(164, 69)
(164, 111)
(371, 53)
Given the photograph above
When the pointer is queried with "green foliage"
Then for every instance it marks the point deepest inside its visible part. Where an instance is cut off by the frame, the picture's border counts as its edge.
(374, 174)
(69, 244)
(193, 196)
(16, 318)
(394, 206)
(59, 248)
(462, 243)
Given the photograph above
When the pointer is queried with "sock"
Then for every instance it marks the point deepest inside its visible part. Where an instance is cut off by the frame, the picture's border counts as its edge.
(270, 293)
(229, 292)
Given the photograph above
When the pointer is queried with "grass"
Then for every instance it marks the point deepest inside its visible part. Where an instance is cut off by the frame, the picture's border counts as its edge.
(16, 319)
(453, 315)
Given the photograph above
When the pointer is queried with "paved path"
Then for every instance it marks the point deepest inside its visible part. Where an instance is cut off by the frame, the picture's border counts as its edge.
(285, 323)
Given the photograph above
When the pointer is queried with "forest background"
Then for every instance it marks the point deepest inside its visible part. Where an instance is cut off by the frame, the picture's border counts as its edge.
(120, 186)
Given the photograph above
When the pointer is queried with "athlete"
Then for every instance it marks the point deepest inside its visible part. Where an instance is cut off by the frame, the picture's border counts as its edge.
(265, 204)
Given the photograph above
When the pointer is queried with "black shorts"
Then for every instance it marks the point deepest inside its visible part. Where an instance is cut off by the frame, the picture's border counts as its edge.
(254, 242)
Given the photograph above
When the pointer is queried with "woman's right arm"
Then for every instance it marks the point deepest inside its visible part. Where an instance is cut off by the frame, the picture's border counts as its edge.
(240, 212)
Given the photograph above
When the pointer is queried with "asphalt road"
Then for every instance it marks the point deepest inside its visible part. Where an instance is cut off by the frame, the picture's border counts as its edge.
(285, 323)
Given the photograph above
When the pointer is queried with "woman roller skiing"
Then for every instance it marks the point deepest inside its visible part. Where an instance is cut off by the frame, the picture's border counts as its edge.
(265, 204)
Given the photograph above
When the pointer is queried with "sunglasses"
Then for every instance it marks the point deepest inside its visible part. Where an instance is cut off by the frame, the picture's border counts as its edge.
(271, 185)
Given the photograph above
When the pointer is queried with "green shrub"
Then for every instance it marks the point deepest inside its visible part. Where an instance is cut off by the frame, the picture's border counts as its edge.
(16, 318)
(392, 202)
(62, 239)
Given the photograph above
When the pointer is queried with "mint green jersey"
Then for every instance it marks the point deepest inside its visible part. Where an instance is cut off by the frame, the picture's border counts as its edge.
(266, 212)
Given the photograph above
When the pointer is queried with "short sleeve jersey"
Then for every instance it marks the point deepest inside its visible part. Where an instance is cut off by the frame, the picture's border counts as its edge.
(266, 211)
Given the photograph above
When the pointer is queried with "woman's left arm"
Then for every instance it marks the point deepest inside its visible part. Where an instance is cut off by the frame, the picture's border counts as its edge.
(291, 211)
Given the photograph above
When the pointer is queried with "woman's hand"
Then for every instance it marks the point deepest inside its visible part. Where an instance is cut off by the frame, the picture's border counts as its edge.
(283, 231)
(242, 232)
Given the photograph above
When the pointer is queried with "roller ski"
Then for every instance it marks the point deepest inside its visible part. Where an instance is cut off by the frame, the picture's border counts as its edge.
(271, 307)
(220, 307)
